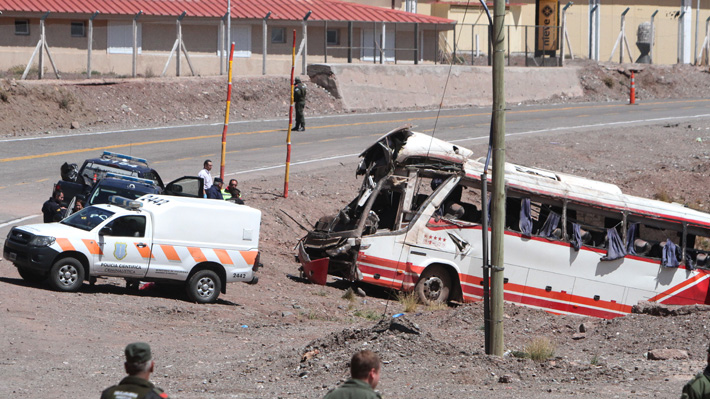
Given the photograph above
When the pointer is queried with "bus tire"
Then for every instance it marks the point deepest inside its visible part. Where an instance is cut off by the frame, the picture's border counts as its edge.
(434, 285)
(204, 286)
(66, 275)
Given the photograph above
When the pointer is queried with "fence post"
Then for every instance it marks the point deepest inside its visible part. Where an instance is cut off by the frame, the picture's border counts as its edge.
(89, 45)
(653, 33)
(264, 43)
(135, 43)
(350, 42)
(416, 43)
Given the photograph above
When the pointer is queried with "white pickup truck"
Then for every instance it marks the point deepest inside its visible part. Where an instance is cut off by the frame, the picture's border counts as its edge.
(201, 243)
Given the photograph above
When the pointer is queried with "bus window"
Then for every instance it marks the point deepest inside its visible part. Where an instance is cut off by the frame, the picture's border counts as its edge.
(593, 225)
(651, 236)
(698, 246)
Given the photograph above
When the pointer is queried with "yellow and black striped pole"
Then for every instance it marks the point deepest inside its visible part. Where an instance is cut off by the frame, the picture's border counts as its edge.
(290, 118)
(226, 115)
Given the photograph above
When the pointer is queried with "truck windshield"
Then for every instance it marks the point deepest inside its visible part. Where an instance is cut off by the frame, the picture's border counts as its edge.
(101, 194)
(87, 218)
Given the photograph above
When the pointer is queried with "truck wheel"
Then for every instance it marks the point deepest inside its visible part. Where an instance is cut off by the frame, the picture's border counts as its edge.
(434, 285)
(67, 275)
(30, 276)
(204, 287)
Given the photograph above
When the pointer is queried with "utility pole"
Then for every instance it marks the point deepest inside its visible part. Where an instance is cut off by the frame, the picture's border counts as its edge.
(498, 179)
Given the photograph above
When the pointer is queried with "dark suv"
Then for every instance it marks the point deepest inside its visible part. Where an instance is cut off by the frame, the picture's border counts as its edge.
(80, 181)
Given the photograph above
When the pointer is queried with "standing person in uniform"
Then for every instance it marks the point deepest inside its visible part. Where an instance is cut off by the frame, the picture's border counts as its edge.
(699, 386)
(364, 376)
(139, 366)
(299, 97)
(52, 209)
(205, 174)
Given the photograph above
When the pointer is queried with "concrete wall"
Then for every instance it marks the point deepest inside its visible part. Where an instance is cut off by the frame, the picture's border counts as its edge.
(363, 87)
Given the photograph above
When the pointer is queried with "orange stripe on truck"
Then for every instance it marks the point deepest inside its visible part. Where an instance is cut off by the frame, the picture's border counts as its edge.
(223, 256)
(64, 244)
(197, 254)
(249, 256)
(144, 251)
(93, 247)
(170, 252)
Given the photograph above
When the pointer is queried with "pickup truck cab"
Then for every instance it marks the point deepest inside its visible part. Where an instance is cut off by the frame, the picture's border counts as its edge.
(198, 243)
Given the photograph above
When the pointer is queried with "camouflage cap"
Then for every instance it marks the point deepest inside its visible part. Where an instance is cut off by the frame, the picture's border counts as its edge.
(138, 352)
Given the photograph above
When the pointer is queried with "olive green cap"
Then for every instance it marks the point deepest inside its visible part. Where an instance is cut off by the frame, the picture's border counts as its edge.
(138, 352)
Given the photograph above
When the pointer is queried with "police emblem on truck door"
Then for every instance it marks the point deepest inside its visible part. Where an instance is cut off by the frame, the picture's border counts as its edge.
(119, 250)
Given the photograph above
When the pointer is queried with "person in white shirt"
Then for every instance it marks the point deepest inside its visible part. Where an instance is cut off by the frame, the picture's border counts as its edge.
(205, 174)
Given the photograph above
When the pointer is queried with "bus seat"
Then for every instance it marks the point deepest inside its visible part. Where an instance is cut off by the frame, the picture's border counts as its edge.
(641, 247)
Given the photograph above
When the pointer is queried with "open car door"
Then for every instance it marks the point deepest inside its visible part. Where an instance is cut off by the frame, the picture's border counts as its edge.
(186, 186)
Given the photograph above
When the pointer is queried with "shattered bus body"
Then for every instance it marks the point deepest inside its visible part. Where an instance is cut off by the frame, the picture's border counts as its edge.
(572, 245)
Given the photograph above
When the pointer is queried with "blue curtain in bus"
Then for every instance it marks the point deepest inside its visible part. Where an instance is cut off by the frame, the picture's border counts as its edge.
(670, 257)
(615, 246)
(525, 223)
(553, 220)
(630, 238)
(576, 237)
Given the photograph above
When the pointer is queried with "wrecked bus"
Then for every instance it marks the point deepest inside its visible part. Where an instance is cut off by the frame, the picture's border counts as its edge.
(572, 245)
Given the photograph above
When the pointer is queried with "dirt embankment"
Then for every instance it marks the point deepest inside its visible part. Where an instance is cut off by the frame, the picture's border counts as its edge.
(285, 338)
(127, 103)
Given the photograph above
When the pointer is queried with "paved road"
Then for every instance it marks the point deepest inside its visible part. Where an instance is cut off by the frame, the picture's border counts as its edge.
(29, 166)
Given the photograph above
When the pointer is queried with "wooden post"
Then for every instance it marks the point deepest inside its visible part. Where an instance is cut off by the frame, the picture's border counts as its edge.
(498, 194)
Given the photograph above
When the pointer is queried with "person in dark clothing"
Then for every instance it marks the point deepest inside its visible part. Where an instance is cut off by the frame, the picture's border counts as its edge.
(364, 377)
(52, 209)
(139, 366)
(299, 98)
(699, 386)
(215, 192)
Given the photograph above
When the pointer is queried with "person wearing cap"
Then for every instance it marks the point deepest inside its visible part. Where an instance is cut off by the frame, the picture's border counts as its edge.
(139, 366)
(299, 98)
(364, 377)
(215, 192)
(699, 386)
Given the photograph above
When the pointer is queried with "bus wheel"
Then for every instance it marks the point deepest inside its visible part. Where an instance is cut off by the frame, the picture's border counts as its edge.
(434, 285)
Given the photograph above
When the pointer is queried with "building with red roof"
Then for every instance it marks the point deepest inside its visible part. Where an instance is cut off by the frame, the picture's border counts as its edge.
(143, 37)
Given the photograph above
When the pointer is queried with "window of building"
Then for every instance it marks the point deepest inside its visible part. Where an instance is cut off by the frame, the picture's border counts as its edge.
(278, 35)
(22, 27)
(333, 37)
(77, 29)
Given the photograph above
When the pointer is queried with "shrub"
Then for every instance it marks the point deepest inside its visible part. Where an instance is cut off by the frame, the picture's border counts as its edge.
(409, 300)
(540, 349)
(368, 314)
(608, 81)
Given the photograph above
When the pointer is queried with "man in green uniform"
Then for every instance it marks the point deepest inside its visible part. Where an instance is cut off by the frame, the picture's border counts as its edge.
(698, 387)
(364, 376)
(299, 97)
(139, 366)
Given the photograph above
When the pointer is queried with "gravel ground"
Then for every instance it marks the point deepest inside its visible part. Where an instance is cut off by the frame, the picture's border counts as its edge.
(261, 341)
